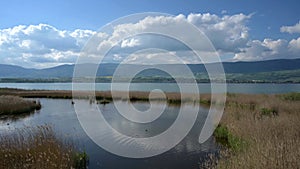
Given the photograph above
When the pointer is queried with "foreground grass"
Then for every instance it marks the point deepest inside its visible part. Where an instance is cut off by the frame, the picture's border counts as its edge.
(38, 148)
(13, 105)
(269, 124)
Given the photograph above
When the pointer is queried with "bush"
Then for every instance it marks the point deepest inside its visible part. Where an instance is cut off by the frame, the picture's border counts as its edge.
(81, 160)
(269, 111)
(225, 138)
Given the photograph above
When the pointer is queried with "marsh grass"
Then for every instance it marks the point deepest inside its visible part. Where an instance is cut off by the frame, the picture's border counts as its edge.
(38, 147)
(270, 124)
(99, 95)
(291, 96)
(12, 105)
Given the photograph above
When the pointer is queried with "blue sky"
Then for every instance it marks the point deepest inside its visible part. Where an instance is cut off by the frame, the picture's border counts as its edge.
(270, 25)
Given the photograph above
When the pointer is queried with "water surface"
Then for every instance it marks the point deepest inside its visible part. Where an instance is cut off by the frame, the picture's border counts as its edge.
(60, 114)
(251, 88)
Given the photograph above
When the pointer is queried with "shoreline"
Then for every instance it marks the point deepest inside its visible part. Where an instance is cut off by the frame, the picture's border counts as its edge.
(230, 82)
(68, 94)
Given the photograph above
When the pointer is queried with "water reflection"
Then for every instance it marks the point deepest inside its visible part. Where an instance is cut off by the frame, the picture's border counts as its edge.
(61, 115)
(13, 118)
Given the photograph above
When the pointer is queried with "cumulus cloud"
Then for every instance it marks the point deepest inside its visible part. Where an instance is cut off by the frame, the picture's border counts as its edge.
(294, 46)
(227, 33)
(44, 45)
(291, 29)
(34, 45)
(270, 49)
(223, 12)
(129, 43)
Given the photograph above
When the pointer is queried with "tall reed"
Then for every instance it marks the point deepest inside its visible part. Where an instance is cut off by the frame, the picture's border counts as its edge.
(37, 147)
(273, 137)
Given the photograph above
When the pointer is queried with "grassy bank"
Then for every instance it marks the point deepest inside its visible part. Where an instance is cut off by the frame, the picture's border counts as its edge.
(13, 105)
(38, 147)
(268, 124)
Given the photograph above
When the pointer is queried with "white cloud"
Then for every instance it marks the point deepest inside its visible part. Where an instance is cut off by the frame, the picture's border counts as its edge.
(270, 49)
(152, 56)
(44, 45)
(117, 57)
(223, 12)
(294, 46)
(291, 29)
(39, 45)
(130, 43)
(228, 34)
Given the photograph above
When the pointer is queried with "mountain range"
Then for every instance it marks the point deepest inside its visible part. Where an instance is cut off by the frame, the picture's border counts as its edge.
(107, 69)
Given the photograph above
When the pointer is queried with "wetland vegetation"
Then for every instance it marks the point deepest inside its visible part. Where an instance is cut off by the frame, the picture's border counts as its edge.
(260, 131)
(39, 147)
(256, 131)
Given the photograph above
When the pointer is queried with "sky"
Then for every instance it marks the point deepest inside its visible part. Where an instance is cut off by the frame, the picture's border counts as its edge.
(42, 34)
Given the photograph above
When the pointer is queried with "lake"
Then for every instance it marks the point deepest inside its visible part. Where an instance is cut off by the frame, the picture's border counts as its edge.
(60, 114)
(251, 88)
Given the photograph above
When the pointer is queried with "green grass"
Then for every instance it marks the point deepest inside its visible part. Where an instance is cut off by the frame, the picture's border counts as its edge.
(268, 111)
(291, 96)
(81, 160)
(204, 101)
(228, 140)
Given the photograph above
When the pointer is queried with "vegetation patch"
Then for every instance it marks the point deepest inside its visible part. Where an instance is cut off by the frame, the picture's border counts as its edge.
(291, 96)
(269, 111)
(270, 142)
(205, 101)
(228, 140)
(81, 160)
(13, 105)
(39, 147)
(103, 101)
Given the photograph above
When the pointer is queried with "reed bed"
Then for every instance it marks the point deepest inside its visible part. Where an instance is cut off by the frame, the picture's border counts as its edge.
(38, 147)
(12, 105)
(100, 95)
(269, 124)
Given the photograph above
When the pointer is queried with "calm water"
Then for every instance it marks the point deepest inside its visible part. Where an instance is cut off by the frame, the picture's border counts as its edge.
(60, 114)
(167, 87)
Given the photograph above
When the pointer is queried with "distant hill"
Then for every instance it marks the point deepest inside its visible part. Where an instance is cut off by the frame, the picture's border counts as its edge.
(232, 68)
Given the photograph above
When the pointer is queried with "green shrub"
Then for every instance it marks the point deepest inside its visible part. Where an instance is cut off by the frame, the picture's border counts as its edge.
(227, 139)
(81, 160)
(292, 96)
(205, 101)
(269, 111)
